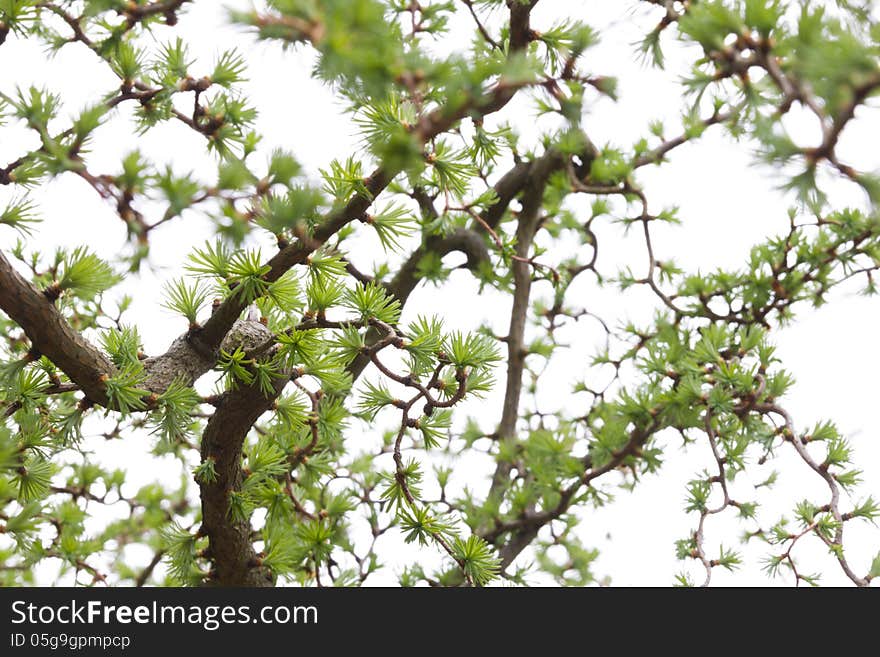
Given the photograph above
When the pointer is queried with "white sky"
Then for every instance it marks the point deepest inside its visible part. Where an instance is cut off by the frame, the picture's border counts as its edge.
(727, 205)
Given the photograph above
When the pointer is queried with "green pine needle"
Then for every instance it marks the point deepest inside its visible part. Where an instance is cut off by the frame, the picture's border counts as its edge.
(123, 389)
(123, 346)
(33, 479)
(20, 214)
(391, 225)
(173, 419)
(236, 367)
(212, 261)
(229, 69)
(85, 275)
(246, 271)
(186, 300)
(477, 559)
(371, 301)
(394, 493)
(373, 399)
(205, 472)
(419, 525)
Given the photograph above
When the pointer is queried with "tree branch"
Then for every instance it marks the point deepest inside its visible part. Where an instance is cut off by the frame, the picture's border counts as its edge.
(521, 33)
(527, 227)
(52, 336)
(207, 340)
(229, 540)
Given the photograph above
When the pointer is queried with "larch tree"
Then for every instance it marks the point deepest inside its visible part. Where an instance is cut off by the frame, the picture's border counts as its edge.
(291, 353)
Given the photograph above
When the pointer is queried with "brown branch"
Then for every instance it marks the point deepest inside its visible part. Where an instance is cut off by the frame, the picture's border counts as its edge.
(168, 8)
(527, 227)
(820, 469)
(229, 540)
(521, 33)
(525, 529)
(142, 578)
(656, 155)
(506, 189)
(51, 334)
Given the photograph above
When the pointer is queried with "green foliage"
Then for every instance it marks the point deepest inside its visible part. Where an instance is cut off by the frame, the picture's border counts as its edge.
(235, 366)
(419, 525)
(229, 69)
(205, 472)
(85, 275)
(470, 350)
(386, 127)
(372, 302)
(173, 420)
(435, 427)
(124, 346)
(576, 569)
(392, 224)
(32, 479)
(123, 389)
(245, 275)
(424, 342)
(298, 206)
(187, 300)
(373, 399)
(451, 170)
(213, 260)
(20, 214)
(477, 560)
(475, 150)
(342, 180)
(398, 484)
(180, 548)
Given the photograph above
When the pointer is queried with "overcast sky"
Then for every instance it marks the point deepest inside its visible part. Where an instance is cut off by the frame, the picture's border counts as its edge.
(727, 205)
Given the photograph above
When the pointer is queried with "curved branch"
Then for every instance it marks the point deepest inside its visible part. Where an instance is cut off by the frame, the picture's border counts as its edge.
(52, 336)
(229, 540)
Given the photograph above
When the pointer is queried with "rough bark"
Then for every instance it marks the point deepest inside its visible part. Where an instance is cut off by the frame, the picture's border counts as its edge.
(229, 540)
(51, 335)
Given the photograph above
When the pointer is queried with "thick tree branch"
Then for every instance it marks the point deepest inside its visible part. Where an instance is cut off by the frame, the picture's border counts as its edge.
(230, 546)
(521, 33)
(51, 335)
